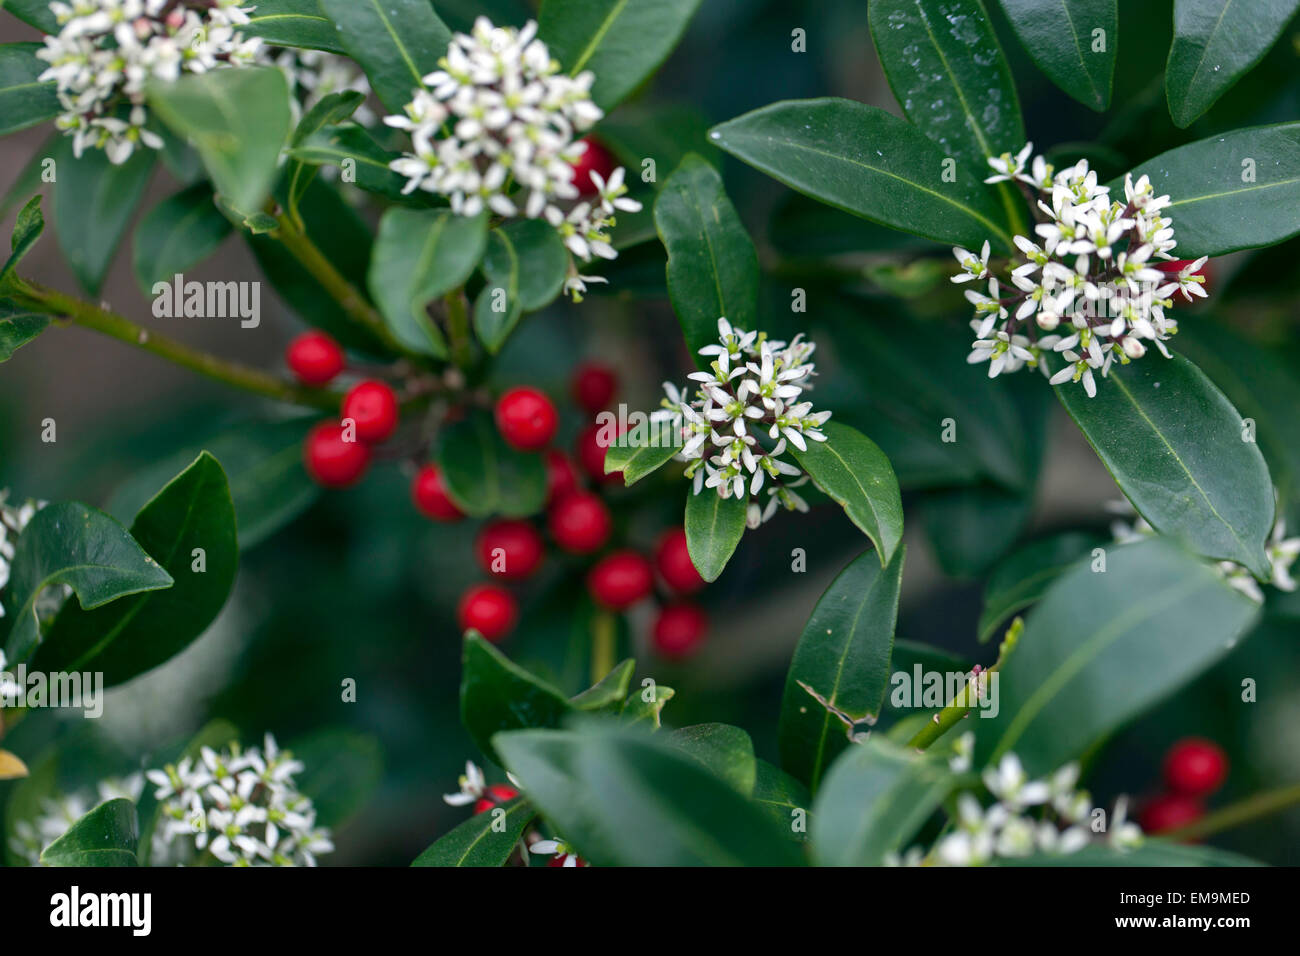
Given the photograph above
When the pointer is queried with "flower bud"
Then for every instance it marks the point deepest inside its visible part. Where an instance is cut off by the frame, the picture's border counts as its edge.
(1047, 321)
(1134, 348)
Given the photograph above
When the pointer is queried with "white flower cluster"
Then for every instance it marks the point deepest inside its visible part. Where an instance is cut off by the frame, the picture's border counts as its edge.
(1093, 276)
(511, 121)
(313, 75)
(754, 385)
(241, 806)
(106, 51)
(1280, 550)
(57, 816)
(1008, 828)
(12, 522)
(7, 686)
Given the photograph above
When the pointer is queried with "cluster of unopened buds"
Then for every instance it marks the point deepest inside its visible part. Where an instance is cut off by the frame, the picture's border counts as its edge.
(1280, 550)
(107, 51)
(1066, 820)
(474, 789)
(1090, 289)
(239, 805)
(753, 389)
(497, 127)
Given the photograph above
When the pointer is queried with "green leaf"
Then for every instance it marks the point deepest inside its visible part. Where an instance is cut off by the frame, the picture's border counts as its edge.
(640, 451)
(712, 263)
(971, 527)
(1234, 191)
(1024, 577)
(1177, 448)
(780, 796)
(714, 526)
(484, 475)
(609, 692)
(295, 23)
(1150, 853)
(396, 42)
(1103, 647)
(177, 233)
(17, 328)
(1214, 48)
(485, 839)
(525, 266)
(238, 120)
(24, 100)
(843, 656)
(93, 206)
(863, 160)
(128, 637)
(341, 772)
(336, 145)
(948, 74)
(106, 836)
(725, 750)
(331, 108)
(627, 799)
(621, 41)
(857, 476)
(28, 227)
(69, 543)
(1061, 37)
(419, 256)
(875, 798)
(497, 694)
(637, 710)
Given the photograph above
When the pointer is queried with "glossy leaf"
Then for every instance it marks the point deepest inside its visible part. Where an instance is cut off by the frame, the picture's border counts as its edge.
(624, 798)
(948, 74)
(865, 161)
(1024, 577)
(330, 109)
(1177, 448)
(1103, 647)
(28, 226)
(784, 798)
(24, 100)
(855, 473)
(136, 634)
(876, 796)
(621, 41)
(93, 206)
(725, 750)
(635, 454)
(524, 266)
(238, 120)
(497, 694)
(295, 23)
(714, 527)
(1150, 853)
(485, 839)
(68, 543)
(637, 710)
(712, 263)
(842, 656)
(609, 692)
(17, 328)
(336, 145)
(106, 836)
(396, 42)
(1062, 38)
(1215, 44)
(180, 231)
(484, 475)
(1229, 192)
(419, 256)
(36, 13)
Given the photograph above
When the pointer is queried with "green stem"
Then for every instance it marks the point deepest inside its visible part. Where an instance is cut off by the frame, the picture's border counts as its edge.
(602, 645)
(963, 701)
(462, 352)
(88, 316)
(1244, 811)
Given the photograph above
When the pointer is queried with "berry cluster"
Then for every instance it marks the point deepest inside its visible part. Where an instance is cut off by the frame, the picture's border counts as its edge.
(1194, 768)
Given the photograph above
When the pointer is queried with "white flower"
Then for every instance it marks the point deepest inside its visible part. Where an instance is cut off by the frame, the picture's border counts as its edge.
(564, 854)
(1009, 783)
(1282, 553)
(472, 785)
(973, 266)
(1123, 834)
(1008, 166)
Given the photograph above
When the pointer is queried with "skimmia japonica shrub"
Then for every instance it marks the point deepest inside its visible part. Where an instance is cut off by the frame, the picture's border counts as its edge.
(455, 508)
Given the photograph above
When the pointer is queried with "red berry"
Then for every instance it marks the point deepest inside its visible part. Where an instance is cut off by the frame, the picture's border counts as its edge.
(596, 158)
(1195, 766)
(593, 444)
(594, 386)
(526, 419)
(429, 492)
(314, 358)
(509, 548)
(488, 609)
(679, 630)
(620, 580)
(1169, 811)
(332, 461)
(561, 479)
(580, 522)
(675, 564)
(373, 406)
(498, 793)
